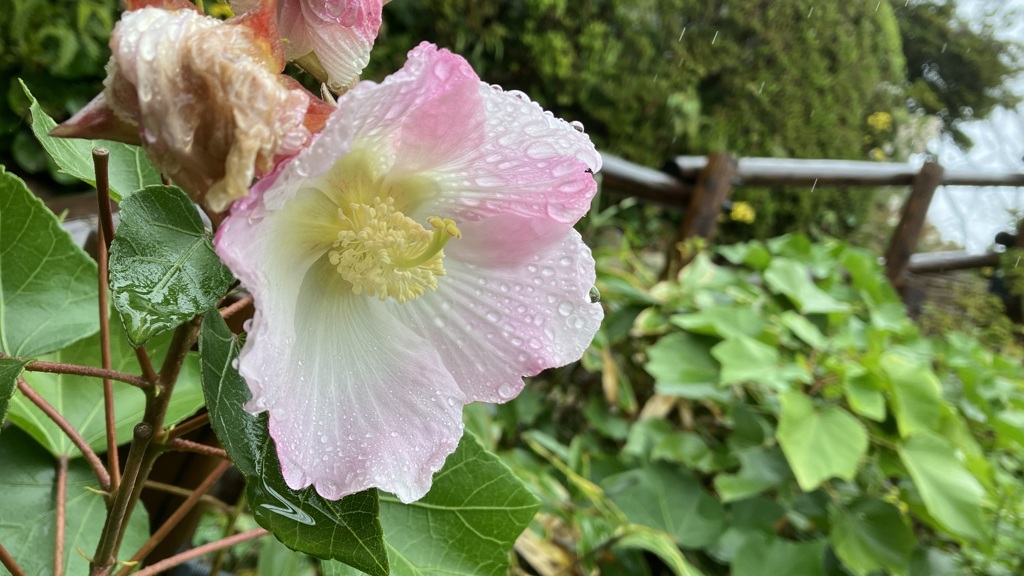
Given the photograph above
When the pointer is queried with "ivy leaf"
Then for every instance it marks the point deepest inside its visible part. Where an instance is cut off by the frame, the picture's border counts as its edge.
(80, 398)
(10, 369)
(793, 280)
(951, 494)
(819, 444)
(744, 359)
(163, 268)
(916, 394)
(870, 535)
(760, 469)
(27, 515)
(682, 366)
(723, 321)
(48, 285)
(671, 500)
(347, 530)
(758, 558)
(465, 526)
(129, 168)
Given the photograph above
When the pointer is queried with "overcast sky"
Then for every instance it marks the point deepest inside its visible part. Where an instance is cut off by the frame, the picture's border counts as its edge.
(971, 216)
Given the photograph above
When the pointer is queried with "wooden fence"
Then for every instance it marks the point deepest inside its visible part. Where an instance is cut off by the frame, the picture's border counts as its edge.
(700, 185)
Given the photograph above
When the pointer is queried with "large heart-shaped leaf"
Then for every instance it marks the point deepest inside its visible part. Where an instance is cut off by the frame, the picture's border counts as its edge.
(28, 507)
(80, 399)
(819, 444)
(951, 494)
(163, 269)
(465, 526)
(129, 168)
(671, 500)
(48, 285)
(347, 530)
(870, 535)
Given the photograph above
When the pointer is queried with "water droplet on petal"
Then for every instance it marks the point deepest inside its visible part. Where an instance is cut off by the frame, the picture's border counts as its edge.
(506, 391)
(595, 295)
(565, 308)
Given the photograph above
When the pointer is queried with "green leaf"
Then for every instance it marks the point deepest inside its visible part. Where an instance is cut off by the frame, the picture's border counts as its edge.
(48, 285)
(163, 268)
(871, 535)
(10, 369)
(465, 526)
(467, 523)
(682, 366)
(819, 444)
(668, 499)
(863, 392)
(916, 394)
(129, 169)
(950, 493)
(804, 329)
(633, 537)
(276, 559)
(744, 359)
(724, 321)
(793, 280)
(760, 469)
(80, 399)
(27, 510)
(759, 558)
(347, 530)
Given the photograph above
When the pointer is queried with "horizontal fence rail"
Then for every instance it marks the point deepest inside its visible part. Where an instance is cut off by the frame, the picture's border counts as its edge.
(701, 185)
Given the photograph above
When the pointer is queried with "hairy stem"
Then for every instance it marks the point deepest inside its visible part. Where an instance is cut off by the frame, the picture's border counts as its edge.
(69, 431)
(188, 426)
(235, 307)
(119, 510)
(184, 492)
(177, 516)
(179, 445)
(77, 370)
(177, 559)
(100, 160)
(60, 515)
(108, 387)
(8, 562)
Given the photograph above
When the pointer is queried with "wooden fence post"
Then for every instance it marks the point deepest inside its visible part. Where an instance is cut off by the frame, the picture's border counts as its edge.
(908, 231)
(713, 186)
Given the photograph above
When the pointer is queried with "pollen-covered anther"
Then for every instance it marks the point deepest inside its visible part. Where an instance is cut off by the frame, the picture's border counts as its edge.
(382, 252)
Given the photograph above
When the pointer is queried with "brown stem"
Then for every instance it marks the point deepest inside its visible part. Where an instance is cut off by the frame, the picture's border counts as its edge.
(120, 508)
(177, 516)
(77, 370)
(185, 493)
(100, 160)
(69, 430)
(60, 514)
(9, 563)
(188, 426)
(180, 445)
(235, 307)
(108, 387)
(201, 550)
(148, 372)
(156, 408)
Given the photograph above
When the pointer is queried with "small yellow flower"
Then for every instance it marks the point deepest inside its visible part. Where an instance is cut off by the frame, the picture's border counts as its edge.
(877, 154)
(743, 212)
(880, 121)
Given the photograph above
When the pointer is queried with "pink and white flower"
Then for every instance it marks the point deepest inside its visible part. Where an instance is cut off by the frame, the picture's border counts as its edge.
(418, 256)
(330, 39)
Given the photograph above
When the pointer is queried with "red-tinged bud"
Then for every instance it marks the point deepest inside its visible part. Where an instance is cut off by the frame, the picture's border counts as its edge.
(202, 98)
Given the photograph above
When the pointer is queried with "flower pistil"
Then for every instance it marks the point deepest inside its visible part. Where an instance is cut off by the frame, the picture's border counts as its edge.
(382, 252)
